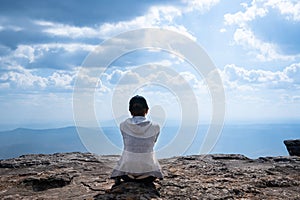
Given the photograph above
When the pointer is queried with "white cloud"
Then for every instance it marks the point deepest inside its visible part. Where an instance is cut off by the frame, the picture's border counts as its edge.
(18, 77)
(239, 78)
(68, 47)
(165, 63)
(288, 8)
(182, 30)
(23, 78)
(241, 18)
(293, 72)
(65, 30)
(62, 79)
(263, 51)
(155, 73)
(223, 30)
(115, 76)
(195, 82)
(130, 78)
(153, 18)
(243, 35)
(30, 53)
(157, 16)
(25, 51)
(200, 5)
(88, 80)
(11, 27)
(123, 77)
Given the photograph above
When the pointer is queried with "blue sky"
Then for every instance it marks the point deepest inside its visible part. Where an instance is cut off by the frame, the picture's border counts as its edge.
(254, 44)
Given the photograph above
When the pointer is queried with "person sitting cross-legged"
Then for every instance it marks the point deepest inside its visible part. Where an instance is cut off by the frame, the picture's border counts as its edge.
(138, 162)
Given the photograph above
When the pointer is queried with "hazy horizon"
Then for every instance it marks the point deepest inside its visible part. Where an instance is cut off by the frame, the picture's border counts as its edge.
(111, 123)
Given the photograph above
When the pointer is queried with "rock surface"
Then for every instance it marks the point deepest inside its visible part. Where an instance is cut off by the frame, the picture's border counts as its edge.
(293, 147)
(86, 176)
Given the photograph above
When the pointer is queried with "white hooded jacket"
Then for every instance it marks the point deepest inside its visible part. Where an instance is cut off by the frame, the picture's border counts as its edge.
(138, 157)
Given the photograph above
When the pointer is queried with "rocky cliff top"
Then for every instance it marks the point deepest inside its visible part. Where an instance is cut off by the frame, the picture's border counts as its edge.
(86, 176)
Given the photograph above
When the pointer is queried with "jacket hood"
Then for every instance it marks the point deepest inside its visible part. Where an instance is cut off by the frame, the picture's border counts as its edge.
(139, 126)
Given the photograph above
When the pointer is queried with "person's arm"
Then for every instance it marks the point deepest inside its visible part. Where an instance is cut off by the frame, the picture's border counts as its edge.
(157, 130)
(156, 137)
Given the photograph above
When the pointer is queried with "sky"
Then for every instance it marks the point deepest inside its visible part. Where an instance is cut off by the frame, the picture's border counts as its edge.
(255, 46)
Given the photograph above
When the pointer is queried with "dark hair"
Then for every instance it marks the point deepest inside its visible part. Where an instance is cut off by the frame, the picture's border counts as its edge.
(138, 106)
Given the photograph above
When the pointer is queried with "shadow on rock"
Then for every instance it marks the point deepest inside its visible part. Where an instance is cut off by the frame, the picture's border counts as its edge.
(41, 184)
(131, 190)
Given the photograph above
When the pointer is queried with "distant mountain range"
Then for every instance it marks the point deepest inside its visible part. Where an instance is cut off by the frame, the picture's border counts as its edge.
(33, 141)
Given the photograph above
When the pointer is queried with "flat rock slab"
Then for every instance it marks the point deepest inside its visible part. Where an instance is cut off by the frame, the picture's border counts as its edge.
(86, 176)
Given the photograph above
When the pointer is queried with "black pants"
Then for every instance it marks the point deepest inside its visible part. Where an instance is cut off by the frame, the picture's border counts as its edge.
(148, 179)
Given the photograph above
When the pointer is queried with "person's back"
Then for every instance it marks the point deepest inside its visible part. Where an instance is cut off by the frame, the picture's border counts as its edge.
(138, 162)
